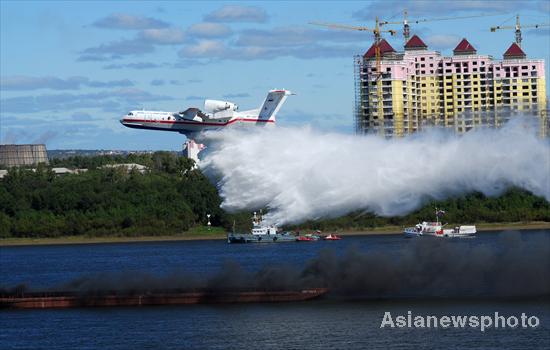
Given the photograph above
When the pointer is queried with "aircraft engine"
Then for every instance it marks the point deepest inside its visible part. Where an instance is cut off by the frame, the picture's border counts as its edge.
(214, 106)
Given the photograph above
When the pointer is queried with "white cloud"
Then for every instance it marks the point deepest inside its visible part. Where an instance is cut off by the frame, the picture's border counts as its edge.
(237, 95)
(236, 13)
(20, 82)
(115, 49)
(295, 36)
(204, 48)
(105, 100)
(214, 49)
(209, 30)
(125, 21)
(144, 42)
(135, 65)
(299, 42)
(431, 7)
(164, 36)
(442, 41)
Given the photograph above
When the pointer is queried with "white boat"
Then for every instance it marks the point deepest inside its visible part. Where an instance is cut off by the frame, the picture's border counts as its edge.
(437, 229)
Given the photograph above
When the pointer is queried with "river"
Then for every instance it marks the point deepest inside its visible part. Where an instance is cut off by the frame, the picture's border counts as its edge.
(333, 322)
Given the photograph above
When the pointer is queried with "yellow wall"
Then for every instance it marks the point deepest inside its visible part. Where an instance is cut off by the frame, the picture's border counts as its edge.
(397, 103)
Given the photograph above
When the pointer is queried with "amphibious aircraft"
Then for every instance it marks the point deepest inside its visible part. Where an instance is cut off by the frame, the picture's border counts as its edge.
(215, 115)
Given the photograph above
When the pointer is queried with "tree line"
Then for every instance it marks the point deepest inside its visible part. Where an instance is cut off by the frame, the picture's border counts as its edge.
(514, 205)
(172, 196)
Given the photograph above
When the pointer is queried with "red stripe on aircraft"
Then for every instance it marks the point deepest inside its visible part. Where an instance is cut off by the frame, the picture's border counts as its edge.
(197, 123)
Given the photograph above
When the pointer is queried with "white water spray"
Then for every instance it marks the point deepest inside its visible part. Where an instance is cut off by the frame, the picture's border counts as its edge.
(301, 174)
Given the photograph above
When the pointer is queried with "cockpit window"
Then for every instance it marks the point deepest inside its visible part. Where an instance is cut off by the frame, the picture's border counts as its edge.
(130, 113)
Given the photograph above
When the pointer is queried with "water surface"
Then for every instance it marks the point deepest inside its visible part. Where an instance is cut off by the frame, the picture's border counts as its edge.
(322, 324)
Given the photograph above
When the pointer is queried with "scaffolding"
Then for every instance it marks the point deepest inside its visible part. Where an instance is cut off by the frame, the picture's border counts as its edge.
(357, 108)
(395, 107)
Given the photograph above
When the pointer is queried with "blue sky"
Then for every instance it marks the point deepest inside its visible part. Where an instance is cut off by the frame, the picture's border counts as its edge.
(69, 70)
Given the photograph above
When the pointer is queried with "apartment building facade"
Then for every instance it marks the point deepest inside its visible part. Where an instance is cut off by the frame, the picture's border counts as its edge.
(421, 87)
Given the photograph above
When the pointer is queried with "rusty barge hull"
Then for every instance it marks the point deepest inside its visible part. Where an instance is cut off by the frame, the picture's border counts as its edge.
(71, 300)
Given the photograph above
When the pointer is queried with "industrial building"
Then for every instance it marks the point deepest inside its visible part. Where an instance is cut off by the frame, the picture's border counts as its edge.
(22, 155)
(419, 86)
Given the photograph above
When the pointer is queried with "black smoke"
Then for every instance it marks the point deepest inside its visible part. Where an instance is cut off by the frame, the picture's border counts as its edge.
(508, 267)
(440, 268)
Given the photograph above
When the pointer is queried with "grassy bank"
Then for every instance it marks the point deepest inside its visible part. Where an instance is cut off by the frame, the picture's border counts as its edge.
(203, 233)
(196, 233)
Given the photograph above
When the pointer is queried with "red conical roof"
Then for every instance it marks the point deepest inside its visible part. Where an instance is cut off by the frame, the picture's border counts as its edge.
(464, 47)
(415, 42)
(385, 47)
(514, 51)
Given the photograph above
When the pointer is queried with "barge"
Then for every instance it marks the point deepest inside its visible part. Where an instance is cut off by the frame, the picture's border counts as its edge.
(47, 300)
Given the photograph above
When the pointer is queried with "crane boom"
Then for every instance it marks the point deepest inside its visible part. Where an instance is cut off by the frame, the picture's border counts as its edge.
(494, 29)
(405, 22)
(341, 26)
(345, 26)
(518, 27)
(378, 57)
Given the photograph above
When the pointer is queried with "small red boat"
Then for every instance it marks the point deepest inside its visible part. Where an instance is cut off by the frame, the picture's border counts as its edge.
(305, 239)
(332, 237)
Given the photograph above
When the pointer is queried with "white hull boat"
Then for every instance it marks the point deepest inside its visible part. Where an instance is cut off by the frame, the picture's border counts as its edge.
(436, 229)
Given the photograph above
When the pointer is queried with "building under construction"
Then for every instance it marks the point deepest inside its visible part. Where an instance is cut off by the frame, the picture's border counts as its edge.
(419, 86)
(22, 155)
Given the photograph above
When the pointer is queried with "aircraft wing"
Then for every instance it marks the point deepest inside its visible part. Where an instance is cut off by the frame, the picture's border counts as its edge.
(191, 113)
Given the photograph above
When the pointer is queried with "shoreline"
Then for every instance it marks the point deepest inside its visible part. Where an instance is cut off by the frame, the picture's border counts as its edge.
(485, 227)
(387, 230)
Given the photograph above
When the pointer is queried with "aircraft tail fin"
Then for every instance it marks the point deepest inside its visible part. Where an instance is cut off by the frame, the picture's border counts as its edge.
(272, 104)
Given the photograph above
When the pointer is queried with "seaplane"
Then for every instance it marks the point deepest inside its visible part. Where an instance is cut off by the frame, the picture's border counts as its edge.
(215, 115)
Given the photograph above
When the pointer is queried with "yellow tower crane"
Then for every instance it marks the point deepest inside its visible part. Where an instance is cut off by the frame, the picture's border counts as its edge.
(377, 54)
(518, 27)
(406, 27)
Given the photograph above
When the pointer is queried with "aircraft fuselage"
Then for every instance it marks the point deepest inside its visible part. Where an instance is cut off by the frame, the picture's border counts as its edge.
(168, 122)
(216, 115)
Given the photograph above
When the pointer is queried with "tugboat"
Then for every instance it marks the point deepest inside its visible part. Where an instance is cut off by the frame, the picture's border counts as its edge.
(261, 233)
(436, 229)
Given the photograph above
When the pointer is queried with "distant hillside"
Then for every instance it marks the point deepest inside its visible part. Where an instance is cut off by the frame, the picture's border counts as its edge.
(66, 153)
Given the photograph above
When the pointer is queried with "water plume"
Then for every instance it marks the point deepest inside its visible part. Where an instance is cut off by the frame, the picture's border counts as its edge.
(304, 174)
